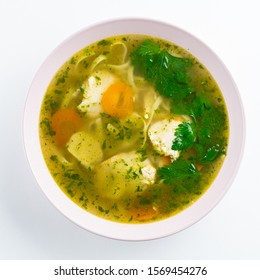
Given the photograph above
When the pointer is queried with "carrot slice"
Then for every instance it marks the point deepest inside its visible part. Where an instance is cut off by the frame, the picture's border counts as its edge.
(199, 166)
(143, 214)
(65, 122)
(117, 100)
(166, 160)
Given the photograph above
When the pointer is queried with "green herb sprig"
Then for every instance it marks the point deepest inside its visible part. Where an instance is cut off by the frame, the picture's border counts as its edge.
(167, 73)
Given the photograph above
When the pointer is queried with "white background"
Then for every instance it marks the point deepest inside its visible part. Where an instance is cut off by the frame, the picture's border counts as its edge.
(30, 227)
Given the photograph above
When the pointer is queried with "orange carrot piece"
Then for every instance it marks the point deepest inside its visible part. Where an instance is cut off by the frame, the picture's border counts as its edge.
(117, 100)
(143, 214)
(166, 160)
(65, 122)
(198, 166)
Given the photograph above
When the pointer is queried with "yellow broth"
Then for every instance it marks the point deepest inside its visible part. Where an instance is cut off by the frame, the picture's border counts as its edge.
(124, 145)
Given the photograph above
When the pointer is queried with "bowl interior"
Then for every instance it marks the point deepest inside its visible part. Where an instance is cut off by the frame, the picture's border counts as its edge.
(129, 231)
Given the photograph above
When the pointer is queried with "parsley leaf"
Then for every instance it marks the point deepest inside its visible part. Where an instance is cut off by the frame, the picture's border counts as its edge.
(211, 154)
(193, 105)
(142, 57)
(180, 172)
(209, 123)
(167, 73)
(214, 120)
(148, 47)
(184, 136)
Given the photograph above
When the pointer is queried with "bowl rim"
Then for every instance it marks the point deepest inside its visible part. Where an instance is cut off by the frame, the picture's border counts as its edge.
(121, 231)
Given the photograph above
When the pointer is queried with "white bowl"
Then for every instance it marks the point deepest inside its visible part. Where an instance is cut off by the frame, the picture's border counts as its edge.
(134, 231)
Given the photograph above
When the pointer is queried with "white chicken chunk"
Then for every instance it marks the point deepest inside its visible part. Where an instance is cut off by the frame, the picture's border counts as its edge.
(162, 136)
(94, 88)
(124, 173)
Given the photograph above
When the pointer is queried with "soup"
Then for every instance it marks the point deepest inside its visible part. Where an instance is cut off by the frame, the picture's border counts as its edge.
(133, 129)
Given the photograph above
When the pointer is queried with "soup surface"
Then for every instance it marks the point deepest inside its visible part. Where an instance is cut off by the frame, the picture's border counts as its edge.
(133, 128)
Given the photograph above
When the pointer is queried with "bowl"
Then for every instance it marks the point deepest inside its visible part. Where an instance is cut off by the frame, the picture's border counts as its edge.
(98, 225)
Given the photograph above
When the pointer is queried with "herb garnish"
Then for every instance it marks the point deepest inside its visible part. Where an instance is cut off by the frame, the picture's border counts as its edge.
(179, 172)
(167, 73)
(169, 76)
(185, 136)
